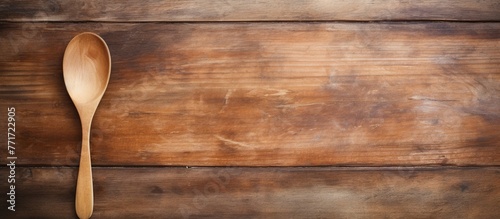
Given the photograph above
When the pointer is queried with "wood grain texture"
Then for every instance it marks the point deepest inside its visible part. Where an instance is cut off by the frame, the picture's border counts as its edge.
(243, 10)
(266, 94)
(264, 193)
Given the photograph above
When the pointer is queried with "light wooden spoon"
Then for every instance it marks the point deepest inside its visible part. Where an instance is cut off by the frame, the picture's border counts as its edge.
(86, 69)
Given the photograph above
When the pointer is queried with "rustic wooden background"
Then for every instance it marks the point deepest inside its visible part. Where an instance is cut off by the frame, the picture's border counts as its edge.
(260, 109)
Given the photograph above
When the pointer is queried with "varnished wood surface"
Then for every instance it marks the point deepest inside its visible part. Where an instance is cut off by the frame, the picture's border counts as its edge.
(266, 94)
(403, 90)
(265, 193)
(243, 10)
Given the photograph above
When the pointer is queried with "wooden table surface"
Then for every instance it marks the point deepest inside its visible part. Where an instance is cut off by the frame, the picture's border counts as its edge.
(258, 109)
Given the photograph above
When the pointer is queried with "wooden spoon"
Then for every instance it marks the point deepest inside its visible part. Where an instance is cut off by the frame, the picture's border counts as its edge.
(86, 69)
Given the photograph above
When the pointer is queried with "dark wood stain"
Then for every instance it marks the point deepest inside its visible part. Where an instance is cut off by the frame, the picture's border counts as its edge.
(267, 192)
(464, 186)
(240, 10)
(157, 190)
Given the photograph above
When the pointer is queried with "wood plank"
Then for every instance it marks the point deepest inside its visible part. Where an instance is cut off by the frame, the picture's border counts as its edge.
(243, 10)
(262, 193)
(263, 94)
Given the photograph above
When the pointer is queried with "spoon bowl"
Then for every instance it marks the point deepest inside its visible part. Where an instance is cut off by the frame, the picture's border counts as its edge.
(86, 70)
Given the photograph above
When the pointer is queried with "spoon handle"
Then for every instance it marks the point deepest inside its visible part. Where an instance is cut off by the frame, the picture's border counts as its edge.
(84, 202)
